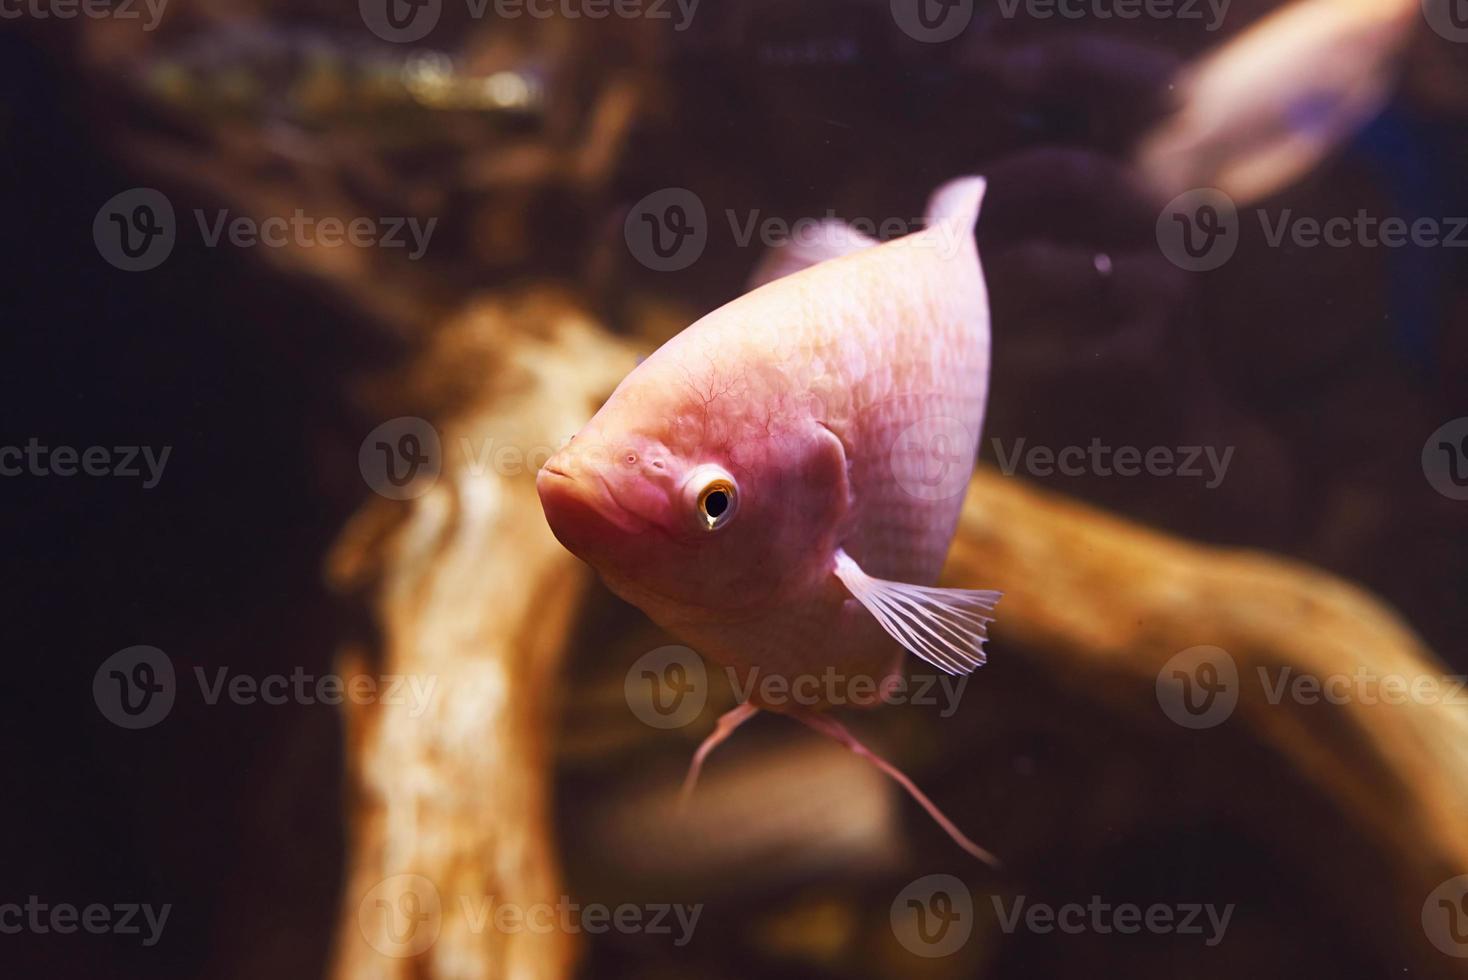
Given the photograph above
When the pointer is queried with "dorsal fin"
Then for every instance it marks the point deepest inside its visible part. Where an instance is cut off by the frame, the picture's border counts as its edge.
(829, 239)
(958, 201)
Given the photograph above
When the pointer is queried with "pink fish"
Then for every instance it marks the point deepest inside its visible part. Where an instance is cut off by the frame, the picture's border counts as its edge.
(778, 485)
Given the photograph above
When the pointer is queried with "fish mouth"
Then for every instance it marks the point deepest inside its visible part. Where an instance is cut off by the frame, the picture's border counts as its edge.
(579, 498)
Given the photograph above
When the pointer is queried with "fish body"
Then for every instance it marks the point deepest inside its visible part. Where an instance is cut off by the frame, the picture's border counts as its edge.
(828, 399)
(778, 485)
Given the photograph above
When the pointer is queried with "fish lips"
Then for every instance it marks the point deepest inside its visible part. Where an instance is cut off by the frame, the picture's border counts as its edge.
(582, 512)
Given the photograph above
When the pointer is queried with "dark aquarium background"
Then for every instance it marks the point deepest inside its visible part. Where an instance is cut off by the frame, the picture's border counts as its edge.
(296, 298)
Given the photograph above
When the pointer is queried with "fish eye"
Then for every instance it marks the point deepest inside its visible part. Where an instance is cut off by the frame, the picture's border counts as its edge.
(715, 504)
(717, 497)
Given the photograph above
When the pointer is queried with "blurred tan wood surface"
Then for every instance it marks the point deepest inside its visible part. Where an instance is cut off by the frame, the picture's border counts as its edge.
(450, 810)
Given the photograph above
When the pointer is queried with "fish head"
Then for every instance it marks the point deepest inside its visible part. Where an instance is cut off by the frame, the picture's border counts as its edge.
(684, 501)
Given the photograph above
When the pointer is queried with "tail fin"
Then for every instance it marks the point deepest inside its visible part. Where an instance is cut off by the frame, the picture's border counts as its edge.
(958, 201)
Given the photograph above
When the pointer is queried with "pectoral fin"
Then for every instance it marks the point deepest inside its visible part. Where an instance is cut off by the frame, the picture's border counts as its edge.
(945, 627)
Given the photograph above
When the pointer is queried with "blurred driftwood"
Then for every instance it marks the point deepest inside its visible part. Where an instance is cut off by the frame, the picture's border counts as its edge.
(1103, 604)
(468, 589)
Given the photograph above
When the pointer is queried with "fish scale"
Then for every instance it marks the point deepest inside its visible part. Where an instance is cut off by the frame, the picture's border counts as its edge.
(903, 521)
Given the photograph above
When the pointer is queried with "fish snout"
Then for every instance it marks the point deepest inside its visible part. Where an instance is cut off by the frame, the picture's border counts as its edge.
(580, 506)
